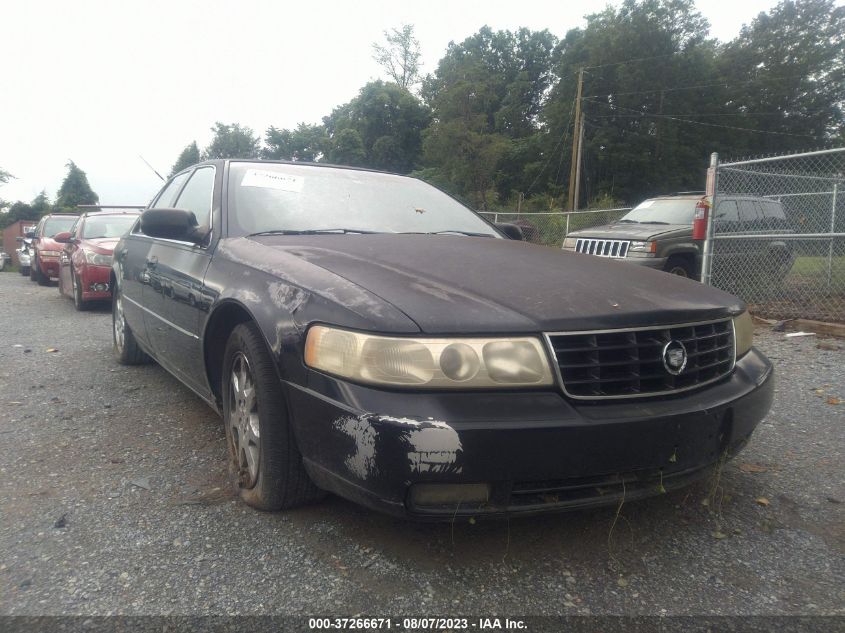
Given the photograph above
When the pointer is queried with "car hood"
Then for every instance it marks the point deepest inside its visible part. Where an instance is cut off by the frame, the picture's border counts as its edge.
(104, 245)
(627, 231)
(49, 244)
(451, 284)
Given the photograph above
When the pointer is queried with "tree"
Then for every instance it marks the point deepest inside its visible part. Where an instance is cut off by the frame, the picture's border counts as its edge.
(400, 57)
(39, 207)
(486, 97)
(189, 156)
(75, 189)
(640, 135)
(232, 141)
(305, 143)
(388, 122)
(790, 65)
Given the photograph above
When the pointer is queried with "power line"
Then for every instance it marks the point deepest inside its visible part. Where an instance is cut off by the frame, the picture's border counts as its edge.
(727, 127)
(699, 114)
(695, 87)
(632, 61)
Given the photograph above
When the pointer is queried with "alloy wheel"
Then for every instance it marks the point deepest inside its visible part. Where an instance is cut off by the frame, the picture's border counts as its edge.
(243, 421)
(119, 323)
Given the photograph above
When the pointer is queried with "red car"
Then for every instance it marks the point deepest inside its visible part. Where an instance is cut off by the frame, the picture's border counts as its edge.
(85, 262)
(45, 250)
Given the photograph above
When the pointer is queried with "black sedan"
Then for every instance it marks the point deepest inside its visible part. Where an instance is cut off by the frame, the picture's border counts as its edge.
(364, 333)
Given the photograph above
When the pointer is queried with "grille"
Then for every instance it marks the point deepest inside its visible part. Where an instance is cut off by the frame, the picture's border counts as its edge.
(603, 248)
(629, 363)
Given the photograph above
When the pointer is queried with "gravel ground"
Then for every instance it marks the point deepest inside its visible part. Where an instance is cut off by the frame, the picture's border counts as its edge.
(115, 498)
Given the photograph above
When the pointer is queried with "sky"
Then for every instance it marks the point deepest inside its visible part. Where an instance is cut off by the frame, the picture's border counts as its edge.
(103, 83)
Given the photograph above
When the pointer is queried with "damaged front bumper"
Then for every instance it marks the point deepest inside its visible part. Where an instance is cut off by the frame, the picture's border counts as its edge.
(531, 451)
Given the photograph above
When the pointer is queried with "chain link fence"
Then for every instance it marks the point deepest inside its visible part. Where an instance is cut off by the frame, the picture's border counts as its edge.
(778, 234)
(552, 227)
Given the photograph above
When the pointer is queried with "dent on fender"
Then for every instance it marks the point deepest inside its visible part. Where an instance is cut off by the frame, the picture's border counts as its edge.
(430, 446)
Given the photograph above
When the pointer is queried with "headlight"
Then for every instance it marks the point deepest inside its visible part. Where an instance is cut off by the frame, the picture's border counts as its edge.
(642, 249)
(570, 242)
(743, 333)
(50, 253)
(428, 363)
(97, 259)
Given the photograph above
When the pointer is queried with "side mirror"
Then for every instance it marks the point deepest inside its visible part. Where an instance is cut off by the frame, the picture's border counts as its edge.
(511, 231)
(29, 235)
(63, 237)
(171, 224)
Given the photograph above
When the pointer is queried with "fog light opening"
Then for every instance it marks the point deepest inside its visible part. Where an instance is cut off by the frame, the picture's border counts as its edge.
(433, 495)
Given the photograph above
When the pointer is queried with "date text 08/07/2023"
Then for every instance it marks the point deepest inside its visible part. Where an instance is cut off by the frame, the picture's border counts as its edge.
(416, 624)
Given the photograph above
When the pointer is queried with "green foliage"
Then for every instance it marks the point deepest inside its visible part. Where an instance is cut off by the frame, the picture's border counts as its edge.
(486, 96)
(39, 207)
(381, 128)
(189, 156)
(400, 57)
(790, 64)
(75, 190)
(232, 141)
(305, 143)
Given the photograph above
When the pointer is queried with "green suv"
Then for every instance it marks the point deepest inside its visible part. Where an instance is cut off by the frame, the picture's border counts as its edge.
(658, 233)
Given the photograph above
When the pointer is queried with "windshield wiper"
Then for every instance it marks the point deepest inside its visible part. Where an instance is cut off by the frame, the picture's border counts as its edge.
(312, 231)
(627, 222)
(447, 232)
(654, 222)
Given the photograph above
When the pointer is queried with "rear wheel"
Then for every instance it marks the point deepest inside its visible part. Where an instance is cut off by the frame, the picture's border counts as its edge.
(679, 266)
(262, 448)
(24, 270)
(32, 269)
(124, 345)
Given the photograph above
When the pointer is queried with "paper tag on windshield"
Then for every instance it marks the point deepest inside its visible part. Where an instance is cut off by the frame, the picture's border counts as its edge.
(272, 180)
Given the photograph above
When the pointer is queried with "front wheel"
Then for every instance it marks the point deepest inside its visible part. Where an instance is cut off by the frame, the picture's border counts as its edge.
(124, 345)
(78, 302)
(678, 266)
(262, 448)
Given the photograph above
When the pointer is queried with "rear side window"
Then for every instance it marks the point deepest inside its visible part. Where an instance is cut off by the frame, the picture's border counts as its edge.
(168, 194)
(748, 210)
(772, 210)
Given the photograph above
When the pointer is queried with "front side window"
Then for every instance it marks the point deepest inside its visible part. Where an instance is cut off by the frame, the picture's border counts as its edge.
(747, 210)
(197, 194)
(726, 211)
(275, 197)
(168, 194)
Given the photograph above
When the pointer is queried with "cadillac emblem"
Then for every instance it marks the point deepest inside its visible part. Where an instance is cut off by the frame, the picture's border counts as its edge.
(674, 357)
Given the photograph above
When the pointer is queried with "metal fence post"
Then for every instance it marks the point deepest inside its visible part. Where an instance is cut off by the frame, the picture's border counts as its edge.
(566, 232)
(707, 254)
(832, 231)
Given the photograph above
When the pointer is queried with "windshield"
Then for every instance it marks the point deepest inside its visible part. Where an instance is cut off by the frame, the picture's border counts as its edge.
(662, 211)
(273, 197)
(107, 226)
(57, 224)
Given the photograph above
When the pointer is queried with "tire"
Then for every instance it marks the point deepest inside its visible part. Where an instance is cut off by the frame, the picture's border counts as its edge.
(78, 302)
(32, 268)
(679, 266)
(124, 345)
(24, 271)
(267, 463)
(41, 278)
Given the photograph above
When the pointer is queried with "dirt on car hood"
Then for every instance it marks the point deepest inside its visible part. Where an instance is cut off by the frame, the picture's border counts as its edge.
(628, 231)
(455, 284)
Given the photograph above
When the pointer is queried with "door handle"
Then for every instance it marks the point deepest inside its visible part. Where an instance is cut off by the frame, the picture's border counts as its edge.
(152, 262)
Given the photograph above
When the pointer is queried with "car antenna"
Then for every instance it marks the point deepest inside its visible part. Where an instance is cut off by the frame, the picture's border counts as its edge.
(151, 167)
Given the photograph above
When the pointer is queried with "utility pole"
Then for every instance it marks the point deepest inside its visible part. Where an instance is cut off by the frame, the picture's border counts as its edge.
(577, 134)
